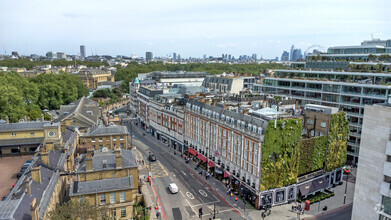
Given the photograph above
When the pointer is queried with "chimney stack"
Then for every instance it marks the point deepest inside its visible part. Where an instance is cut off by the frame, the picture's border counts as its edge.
(7, 119)
(34, 210)
(118, 158)
(45, 156)
(42, 117)
(28, 187)
(36, 174)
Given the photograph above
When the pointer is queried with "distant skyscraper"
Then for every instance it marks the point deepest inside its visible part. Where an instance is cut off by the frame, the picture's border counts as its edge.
(254, 56)
(148, 56)
(291, 54)
(222, 56)
(179, 57)
(204, 57)
(83, 51)
(229, 56)
(174, 56)
(285, 56)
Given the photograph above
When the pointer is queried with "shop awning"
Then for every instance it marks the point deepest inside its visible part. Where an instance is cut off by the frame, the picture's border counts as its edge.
(226, 174)
(192, 151)
(202, 158)
(307, 188)
(211, 164)
(320, 183)
(219, 171)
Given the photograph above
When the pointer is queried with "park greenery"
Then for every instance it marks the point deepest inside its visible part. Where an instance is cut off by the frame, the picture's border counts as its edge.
(112, 95)
(285, 156)
(22, 97)
(131, 71)
(29, 64)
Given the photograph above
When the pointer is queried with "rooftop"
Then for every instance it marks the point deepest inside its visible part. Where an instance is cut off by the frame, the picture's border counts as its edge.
(106, 160)
(23, 126)
(99, 186)
(107, 130)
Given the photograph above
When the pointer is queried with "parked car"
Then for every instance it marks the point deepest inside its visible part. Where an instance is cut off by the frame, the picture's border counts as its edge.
(152, 157)
(22, 170)
(173, 188)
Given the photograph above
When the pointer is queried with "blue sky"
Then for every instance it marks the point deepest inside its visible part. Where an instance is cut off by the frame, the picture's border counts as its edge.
(189, 28)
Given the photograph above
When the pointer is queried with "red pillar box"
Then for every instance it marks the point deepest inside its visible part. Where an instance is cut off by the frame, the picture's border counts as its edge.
(307, 205)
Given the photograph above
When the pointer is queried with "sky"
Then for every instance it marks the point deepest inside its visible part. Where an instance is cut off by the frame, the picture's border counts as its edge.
(189, 28)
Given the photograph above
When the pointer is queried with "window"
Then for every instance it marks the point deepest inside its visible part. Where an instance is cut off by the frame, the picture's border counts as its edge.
(112, 198)
(310, 121)
(92, 139)
(100, 147)
(323, 124)
(122, 145)
(114, 213)
(123, 212)
(122, 196)
(114, 138)
(121, 138)
(13, 134)
(100, 140)
(102, 199)
(93, 146)
(32, 133)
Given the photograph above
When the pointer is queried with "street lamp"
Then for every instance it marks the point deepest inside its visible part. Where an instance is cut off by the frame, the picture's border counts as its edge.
(346, 187)
(207, 160)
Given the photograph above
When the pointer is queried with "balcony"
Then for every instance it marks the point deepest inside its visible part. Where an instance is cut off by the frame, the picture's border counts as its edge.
(388, 148)
(387, 168)
(385, 189)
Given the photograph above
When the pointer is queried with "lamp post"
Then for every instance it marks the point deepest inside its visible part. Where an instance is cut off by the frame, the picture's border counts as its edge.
(346, 187)
(207, 160)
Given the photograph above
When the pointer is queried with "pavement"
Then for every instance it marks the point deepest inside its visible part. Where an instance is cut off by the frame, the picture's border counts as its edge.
(227, 205)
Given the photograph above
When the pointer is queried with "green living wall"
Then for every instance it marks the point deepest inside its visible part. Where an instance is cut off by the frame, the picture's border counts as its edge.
(280, 153)
(312, 154)
(338, 135)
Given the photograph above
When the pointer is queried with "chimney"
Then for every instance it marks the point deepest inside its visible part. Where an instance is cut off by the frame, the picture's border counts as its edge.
(36, 174)
(28, 187)
(34, 210)
(89, 161)
(45, 156)
(42, 117)
(7, 119)
(25, 118)
(118, 158)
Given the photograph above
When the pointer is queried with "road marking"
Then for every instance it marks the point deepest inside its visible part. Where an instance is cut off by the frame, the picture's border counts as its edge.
(183, 173)
(182, 193)
(190, 195)
(171, 178)
(187, 184)
(203, 193)
(211, 207)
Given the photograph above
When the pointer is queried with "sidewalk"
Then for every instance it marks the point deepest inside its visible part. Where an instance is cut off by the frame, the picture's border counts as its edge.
(146, 187)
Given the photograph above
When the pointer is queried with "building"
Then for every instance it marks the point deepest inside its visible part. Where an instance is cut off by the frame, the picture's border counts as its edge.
(133, 89)
(229, 83)
(82, 113)
(93, 77)
(82, 51)
(285, 56)
(43, 186)
(291, 53)
(375, 47)
(109, 137)
(174, 56)
(144, 95)
(296, 55)
(372, 196)
(55, 55)
(165, 78)
(25, 137)
(108, 178)
(148, 56)
(348, 91)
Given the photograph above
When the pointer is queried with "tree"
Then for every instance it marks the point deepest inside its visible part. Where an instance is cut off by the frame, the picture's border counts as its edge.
(78, 209)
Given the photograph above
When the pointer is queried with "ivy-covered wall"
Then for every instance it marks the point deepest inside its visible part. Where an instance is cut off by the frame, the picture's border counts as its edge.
(338, 135)
(312, 154)
(285, 156)
(280, 153)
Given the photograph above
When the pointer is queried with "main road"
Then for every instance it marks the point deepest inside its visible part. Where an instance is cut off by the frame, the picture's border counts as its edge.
(195, 191)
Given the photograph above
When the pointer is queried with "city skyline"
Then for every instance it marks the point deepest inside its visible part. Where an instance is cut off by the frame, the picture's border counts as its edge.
(190, 29)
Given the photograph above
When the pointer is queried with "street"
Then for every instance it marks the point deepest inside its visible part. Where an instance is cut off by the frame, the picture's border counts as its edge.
(195, 191)
(344, 213)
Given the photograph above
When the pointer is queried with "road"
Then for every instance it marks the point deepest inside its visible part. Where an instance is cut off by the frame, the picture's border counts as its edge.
(337, 214)
(195, 191)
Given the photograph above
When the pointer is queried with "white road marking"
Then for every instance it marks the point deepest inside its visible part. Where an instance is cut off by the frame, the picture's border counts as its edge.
(187, 184)
(171, 178)
(190, 195)
(183, 173)
(182, 193)
(203, 193)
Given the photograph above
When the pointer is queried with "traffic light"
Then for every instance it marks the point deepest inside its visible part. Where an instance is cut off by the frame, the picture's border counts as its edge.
(200, 212)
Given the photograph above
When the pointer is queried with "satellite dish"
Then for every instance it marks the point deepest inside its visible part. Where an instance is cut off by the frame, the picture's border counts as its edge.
(105, 149)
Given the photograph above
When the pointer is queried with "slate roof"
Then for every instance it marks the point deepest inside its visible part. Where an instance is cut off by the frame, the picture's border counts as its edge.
(79, 108)
(23, 126)
(128, 160)
(21, 141)
(107, 130)
(99, 186)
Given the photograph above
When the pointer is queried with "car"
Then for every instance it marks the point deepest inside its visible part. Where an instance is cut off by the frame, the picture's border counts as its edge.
(22, 170)
(173, 188)
(28, 162)
(152, 157)
(346, 171)
(4, 198)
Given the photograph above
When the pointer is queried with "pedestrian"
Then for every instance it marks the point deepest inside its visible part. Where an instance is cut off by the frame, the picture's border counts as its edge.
(236, 199)
(143, 162)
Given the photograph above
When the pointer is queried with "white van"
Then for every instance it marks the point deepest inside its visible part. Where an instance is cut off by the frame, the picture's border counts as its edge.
(173, 188)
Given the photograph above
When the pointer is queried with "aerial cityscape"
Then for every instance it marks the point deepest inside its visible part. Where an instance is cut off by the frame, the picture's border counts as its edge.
(195, 110)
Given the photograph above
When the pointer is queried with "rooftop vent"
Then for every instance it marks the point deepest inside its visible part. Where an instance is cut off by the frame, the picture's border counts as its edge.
(65, 113)
(89, 112)
(105, 149)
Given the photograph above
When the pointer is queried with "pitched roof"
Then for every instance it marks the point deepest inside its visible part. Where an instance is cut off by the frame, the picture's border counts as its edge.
(83, 108)
(128, 160)
(99, 186)
(107, 130)
(23, 126)
(21, 141)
